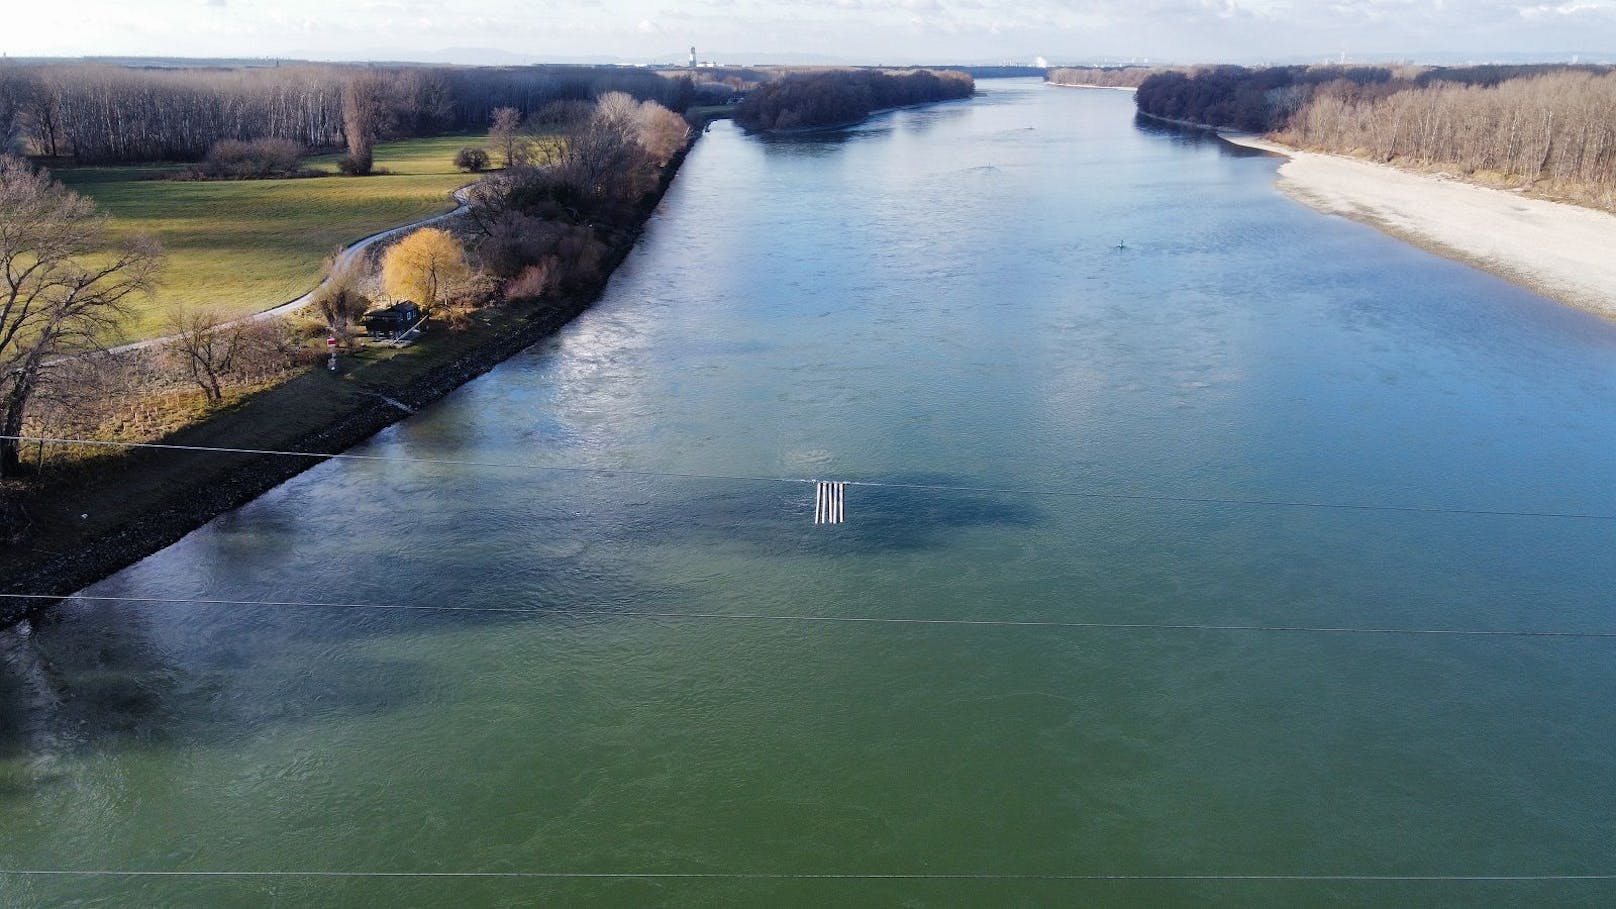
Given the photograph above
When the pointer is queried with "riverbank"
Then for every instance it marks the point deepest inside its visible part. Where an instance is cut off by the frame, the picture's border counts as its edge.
(97, 518)
(1559, 250)
(1115, 88)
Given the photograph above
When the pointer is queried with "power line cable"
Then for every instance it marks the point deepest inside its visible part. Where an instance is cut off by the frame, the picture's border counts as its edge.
(935, 487)
(608, 612)
(831, 876)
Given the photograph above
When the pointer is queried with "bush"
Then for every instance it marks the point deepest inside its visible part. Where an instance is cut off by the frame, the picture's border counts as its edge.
(536, 280)
(258, 159)
(471, 159)
(356, 165)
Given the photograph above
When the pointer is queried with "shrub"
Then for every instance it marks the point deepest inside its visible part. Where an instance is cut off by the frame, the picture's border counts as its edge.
(536, 280)
(357, 166)
(258, 159)
(471, 159)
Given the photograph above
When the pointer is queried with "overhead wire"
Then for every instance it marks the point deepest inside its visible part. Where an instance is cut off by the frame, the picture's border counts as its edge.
(869, 484)
(598, 611)
(828, 876)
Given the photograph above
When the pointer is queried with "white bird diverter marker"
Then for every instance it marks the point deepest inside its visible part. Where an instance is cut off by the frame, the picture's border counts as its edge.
(830, 502)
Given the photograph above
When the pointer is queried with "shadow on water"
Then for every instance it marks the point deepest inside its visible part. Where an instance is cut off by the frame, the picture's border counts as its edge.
(815, 143)
(1187, 136)
(820, 143)
(921, 120)
(87, 677)
(84, 677)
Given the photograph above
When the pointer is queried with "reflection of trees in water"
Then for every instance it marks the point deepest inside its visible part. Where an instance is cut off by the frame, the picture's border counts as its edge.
(820, 143)
(1191, 136)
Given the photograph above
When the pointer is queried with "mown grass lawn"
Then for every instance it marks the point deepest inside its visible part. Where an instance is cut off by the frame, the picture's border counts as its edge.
(243, 246)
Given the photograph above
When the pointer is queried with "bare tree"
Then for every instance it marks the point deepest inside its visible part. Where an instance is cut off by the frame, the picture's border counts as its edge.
(340, 301)
(206, 345)
(363, 112)
(507, 134)
(63, 292)
(602, 156)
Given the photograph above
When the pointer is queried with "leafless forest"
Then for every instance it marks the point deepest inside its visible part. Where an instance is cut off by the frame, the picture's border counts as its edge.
(1104, 76)
(1555, 132)
(813, 99)
(1548, 129)
(99, 113)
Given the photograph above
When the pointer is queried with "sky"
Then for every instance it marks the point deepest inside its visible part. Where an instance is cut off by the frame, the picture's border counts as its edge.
(847, 31)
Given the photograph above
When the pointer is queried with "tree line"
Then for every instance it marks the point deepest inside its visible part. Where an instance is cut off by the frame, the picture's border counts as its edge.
(805, 100)
(1549, 127)
(1254, 100)
(107, 114)
(1555, 131)
(1104, 76)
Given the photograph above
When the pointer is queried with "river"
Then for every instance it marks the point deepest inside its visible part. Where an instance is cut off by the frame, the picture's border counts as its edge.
(1133, 437)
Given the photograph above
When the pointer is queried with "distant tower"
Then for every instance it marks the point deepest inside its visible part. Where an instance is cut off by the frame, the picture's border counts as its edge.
(692, 56)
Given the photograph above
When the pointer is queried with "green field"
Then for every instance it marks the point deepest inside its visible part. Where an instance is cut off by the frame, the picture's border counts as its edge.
(247, 245)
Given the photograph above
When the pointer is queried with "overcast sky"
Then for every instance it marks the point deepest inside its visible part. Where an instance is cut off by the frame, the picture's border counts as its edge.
(849, 30)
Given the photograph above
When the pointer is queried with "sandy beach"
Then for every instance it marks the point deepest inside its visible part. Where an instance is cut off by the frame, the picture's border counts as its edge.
(1562, 251)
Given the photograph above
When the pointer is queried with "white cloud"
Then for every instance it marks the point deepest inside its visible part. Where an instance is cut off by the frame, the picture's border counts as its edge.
(1064, 30)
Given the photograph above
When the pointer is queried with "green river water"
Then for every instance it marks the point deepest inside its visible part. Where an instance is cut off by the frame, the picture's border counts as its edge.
(933, 298)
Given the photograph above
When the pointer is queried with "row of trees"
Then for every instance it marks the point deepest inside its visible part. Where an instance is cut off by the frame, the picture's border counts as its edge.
(1267, 99)
(543, 223)
(100, 113)
(1551, 127)
(1557, 129)
(837, 97)
(1255, 100)
(1105, 76)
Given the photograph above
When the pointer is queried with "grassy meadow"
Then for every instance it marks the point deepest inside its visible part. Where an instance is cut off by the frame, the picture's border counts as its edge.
(243, 246)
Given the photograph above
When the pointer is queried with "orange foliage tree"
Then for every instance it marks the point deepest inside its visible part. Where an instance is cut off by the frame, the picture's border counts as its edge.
(427, 267)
